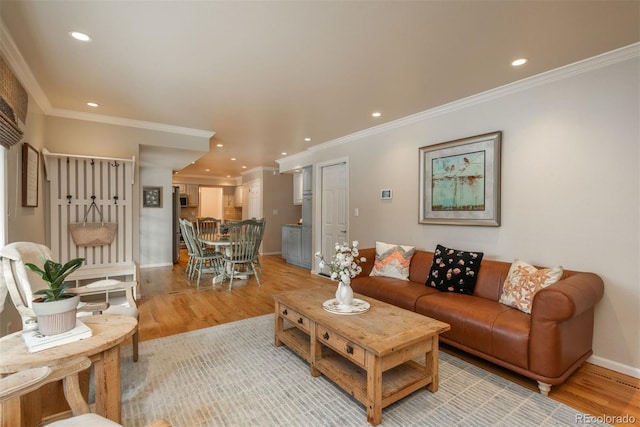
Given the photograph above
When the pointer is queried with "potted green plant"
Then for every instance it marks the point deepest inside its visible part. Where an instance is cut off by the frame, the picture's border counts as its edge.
(55, 308)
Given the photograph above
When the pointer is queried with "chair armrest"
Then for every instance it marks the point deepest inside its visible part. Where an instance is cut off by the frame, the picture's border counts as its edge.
(568, 298)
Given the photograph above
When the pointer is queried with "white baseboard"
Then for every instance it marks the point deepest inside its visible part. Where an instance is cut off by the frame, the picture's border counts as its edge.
(615, 366)
(167, 264)
(271, 253)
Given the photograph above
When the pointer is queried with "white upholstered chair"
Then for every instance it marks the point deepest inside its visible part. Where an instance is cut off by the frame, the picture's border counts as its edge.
(21, 283)
(23, 382)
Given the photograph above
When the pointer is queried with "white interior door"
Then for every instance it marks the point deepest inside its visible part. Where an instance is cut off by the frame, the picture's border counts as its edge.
(334, 208)
(254, 210)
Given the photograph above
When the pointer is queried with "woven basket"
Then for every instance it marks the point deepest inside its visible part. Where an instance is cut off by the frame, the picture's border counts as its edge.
(93, 233)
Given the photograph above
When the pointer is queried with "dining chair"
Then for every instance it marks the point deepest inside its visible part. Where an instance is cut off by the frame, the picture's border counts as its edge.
(208, 227)
(202, 256)
(102, 296)
(243, 235)
(256, 255)
(190, 251)
(26, 381)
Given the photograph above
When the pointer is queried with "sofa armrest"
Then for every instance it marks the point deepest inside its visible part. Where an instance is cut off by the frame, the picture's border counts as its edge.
(367, 266)
(562, 322)
(568, 298)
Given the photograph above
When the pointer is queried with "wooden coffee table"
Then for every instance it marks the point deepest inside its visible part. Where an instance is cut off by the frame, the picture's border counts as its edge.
(369, 355)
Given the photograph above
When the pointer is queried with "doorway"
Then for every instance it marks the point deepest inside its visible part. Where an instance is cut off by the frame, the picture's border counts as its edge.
(211, 203)
(334, 223)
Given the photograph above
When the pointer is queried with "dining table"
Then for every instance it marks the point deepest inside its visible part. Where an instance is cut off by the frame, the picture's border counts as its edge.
(223, 244)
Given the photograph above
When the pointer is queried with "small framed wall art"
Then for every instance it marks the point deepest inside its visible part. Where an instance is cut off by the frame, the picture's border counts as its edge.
(152, 197)
(460, 181)
(30, 168)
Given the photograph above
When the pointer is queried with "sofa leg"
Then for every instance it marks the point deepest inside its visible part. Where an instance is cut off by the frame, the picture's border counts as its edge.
(544, 388)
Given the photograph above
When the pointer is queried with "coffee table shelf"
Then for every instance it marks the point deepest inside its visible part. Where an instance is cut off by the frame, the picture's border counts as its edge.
(397, 382)
(298, 341)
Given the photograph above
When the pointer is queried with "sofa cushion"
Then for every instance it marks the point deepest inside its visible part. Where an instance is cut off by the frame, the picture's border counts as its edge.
(400, 293)
(454, 270)
(392, 260)
(481, 324)
(523, 281)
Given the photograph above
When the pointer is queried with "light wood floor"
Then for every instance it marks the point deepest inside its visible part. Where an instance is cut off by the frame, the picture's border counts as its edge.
(170, 304)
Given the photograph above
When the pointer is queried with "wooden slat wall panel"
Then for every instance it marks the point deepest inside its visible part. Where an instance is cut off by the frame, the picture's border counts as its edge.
(82, 178)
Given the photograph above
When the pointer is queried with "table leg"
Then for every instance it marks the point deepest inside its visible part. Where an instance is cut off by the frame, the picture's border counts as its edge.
(108, 385)
(431, 365)
(374, 389)
(279, 326)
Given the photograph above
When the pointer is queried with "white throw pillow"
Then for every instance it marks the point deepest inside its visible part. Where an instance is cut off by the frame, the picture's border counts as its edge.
(523, 281)
(392, 260)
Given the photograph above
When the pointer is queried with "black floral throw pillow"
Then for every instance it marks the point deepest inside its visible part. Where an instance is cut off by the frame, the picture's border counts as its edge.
(454, 271)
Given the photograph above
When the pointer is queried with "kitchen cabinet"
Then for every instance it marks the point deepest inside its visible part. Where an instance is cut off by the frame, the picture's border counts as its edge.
(297, 188)
(228, 197)
(238, 196)
(292, 244)
(307, 181)
(306, 256)
(193, 193)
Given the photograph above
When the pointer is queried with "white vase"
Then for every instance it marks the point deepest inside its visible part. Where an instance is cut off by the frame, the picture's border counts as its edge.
(344, 294)
(56, 317)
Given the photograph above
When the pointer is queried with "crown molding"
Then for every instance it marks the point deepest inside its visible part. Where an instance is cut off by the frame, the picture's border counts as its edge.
(576, 68)
(121, 121)
(22, 71)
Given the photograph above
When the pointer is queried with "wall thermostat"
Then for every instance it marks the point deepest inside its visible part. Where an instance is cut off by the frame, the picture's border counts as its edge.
(385, 194)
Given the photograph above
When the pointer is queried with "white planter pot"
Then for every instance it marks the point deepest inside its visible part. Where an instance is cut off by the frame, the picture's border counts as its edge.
(56, 317)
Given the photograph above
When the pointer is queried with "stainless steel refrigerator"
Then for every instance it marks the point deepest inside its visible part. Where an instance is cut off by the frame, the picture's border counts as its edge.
(175, 198)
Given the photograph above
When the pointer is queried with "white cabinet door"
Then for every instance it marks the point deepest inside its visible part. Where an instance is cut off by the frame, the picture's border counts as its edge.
(297, 188)
(238, 196)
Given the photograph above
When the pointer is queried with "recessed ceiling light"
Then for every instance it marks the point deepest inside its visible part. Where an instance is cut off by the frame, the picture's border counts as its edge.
(219, 145)
(376, 114)
(284, 154)
(244, 167)
(207, 170)
(518, 62)
(228, 176)
(93, 104)
(233, 158)
(307, 139)
(80, 36)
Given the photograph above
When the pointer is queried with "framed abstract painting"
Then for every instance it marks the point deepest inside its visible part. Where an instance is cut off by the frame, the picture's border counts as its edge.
(460, 181)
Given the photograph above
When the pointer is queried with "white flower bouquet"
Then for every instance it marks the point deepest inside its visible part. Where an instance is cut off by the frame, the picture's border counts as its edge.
(344, 264)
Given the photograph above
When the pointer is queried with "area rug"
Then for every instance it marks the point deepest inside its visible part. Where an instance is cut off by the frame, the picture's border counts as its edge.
(234, 375)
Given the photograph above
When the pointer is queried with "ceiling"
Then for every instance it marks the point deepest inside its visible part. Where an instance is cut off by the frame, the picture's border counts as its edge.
(265, 75)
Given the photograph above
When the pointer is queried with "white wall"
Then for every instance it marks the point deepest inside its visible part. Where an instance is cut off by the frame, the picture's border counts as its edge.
(156, 235)
(570, 185)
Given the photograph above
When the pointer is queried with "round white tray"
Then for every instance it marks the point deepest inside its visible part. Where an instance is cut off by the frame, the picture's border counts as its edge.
(357, 306)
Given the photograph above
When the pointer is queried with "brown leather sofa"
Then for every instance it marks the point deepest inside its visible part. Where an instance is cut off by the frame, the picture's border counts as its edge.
(547, 345)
